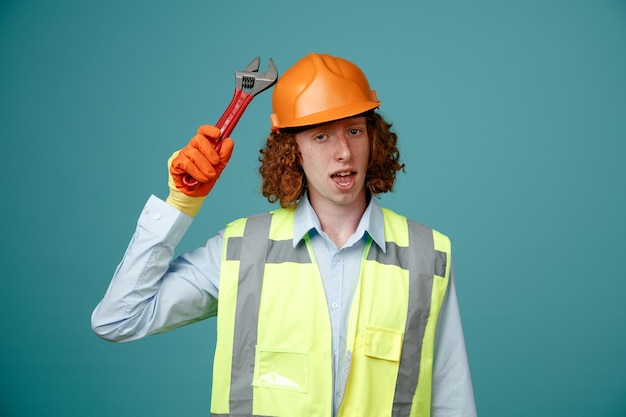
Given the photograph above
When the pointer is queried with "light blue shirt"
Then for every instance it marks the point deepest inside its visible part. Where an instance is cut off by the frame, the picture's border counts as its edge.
(151, 292)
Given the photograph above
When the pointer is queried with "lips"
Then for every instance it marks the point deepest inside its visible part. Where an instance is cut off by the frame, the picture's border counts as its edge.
(344, 179)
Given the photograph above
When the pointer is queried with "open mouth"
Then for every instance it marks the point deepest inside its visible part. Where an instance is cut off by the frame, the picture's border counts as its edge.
(343, 178)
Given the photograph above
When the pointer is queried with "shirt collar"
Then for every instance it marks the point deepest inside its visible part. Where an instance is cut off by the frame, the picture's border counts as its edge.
(372, 222)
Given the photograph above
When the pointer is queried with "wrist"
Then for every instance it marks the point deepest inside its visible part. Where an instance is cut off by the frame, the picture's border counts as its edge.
(188, 205)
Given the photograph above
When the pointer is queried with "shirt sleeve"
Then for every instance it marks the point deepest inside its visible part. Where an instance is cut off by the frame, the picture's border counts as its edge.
(452, 394)
(151, 292)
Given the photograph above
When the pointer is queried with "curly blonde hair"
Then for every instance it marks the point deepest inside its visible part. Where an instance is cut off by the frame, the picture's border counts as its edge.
(283, 176)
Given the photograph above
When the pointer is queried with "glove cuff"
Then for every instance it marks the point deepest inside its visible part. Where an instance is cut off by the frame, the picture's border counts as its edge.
(179, 200)
(188, 205)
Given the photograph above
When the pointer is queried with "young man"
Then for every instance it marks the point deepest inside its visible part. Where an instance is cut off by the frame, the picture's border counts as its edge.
(329, 305)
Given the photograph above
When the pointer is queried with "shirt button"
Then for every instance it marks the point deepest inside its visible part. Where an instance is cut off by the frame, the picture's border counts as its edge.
(146, 210)
(337, 257)
(157, 216)
(334, 306)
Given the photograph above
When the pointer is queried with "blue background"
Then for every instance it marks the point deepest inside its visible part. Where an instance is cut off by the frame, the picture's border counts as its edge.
(512, 122)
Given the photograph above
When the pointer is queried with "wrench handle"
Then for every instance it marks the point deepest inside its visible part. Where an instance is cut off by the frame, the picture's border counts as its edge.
(233, 112)
(225, 124)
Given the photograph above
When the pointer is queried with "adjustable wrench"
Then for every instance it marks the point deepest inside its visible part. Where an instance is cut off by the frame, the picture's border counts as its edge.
(248, 83)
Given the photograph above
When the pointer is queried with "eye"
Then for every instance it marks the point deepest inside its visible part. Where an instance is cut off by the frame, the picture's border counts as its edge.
(355, 131)
(319, 136)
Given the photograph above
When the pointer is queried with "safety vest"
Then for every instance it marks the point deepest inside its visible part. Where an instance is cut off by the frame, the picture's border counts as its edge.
(273, 355)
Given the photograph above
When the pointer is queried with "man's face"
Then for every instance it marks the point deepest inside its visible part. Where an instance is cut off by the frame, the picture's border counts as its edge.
(335, 157)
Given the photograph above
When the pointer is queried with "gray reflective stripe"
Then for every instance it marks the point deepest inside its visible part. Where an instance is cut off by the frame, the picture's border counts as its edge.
(254, 246)
(236, 415)
(441, 259)
(233, 249)
(278, 251)
(394, 255)
(421, 270)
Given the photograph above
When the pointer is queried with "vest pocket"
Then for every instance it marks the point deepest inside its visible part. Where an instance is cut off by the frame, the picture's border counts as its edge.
(281, 369)
(382, 343)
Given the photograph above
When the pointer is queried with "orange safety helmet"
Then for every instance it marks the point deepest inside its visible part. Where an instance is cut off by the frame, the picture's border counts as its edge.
(320, 88)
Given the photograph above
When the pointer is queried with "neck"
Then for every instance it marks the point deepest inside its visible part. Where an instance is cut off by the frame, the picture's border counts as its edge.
(340, 222)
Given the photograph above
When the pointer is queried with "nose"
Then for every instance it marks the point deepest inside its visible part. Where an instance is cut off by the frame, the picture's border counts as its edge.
(342, 150)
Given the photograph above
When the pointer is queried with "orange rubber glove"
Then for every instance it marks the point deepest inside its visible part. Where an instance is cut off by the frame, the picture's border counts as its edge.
(201, 161)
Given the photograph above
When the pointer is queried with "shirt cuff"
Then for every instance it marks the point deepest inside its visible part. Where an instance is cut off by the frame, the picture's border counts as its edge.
(164, 220)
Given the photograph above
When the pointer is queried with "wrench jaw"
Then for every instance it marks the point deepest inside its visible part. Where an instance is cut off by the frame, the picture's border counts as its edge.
(253, 66)
(253, 82)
